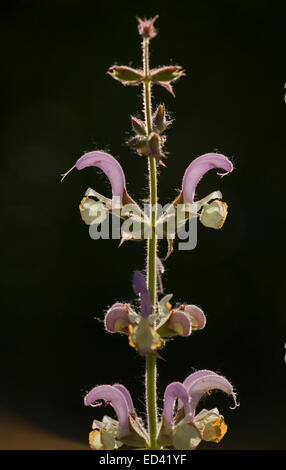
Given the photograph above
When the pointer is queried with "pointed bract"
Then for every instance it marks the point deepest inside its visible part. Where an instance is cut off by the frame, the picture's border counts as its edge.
(146, 27)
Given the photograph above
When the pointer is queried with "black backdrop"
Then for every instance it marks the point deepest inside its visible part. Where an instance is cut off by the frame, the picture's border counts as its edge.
(57, 102)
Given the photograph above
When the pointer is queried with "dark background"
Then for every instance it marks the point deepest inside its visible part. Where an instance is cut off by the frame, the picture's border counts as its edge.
(57, 102)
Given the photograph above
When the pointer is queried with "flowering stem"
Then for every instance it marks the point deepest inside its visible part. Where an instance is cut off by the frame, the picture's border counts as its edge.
(151, 373)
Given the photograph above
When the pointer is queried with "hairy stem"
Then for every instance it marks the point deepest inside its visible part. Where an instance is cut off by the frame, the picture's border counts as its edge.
(151, 371)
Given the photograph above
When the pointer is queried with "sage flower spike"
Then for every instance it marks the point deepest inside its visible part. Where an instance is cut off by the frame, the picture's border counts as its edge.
(198, 168)
(111, 434)
(183, 428)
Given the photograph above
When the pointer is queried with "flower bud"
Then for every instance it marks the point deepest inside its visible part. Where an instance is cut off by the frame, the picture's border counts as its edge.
(159, 119)
(138, 126)
(92, 212)
(126, 75)
(154, 142)
(213, 215)
(146, 27)
(139, 144)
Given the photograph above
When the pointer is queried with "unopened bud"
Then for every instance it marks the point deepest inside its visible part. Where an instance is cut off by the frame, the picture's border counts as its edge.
(138, 126)
(155, 146)
(146, 27)
(139, 144)
(160, 123)
(213, 215)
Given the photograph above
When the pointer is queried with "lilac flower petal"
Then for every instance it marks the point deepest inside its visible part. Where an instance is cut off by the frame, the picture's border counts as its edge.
(193, 377)
(174, 391)
(127, 397)
(116, 318)
(196, 170)
(198, 318)
(196, 375)
(204, 384)
(139, 282)
(116, 399)
(108, 164)
(140, 288)
(180, 322)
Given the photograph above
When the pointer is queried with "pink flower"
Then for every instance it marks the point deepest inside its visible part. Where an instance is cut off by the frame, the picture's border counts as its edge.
(109, 165)
(198, 168)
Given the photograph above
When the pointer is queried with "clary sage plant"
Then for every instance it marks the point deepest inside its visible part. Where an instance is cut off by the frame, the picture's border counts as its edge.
(179, 425)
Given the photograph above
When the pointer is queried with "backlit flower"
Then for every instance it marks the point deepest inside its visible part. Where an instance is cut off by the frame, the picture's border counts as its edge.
(181, 426)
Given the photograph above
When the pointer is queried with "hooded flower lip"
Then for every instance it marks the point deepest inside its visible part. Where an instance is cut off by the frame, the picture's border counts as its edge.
(179, 323)
(196, 315)
(197, 169)
(108, 164)
(182, 320)
(201, 382)
(117, 318)
(174, 391)
(116, 398)
(140, 288)
(127, 397)
(186, 429)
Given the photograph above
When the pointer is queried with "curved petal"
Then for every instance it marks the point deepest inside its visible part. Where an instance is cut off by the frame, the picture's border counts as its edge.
(127, 396)
(140, 288)
(204, 384)
(116, 399)
(108, 164)
(197, 316)
(175, 390)
(180, 323)
(196, 375)
(196, 170)
(116, 318)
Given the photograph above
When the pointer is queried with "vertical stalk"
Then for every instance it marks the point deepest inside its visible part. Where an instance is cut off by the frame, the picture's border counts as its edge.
(151, 371)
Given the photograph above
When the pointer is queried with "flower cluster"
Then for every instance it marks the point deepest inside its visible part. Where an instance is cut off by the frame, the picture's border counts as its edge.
(149, 323)
(148, 328)
(181, 427)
